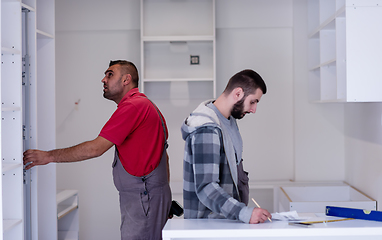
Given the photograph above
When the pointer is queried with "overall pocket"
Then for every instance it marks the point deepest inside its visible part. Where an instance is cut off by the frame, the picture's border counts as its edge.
(145, 200)
(242, 184)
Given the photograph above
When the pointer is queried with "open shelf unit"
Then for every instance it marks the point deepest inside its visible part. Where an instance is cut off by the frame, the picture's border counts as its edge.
(170, 33)
(344, 50)
(12, 209)
(67, 214)
(28, 198)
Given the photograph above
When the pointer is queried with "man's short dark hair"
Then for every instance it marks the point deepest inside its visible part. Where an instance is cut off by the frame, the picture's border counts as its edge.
(248, 80)
(127, 68)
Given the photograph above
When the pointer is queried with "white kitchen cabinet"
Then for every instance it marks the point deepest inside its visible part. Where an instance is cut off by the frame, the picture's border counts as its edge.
(307, 199)
(67, 214)
(344, 50)
(11, 122)
(28, 199)
(175, 35)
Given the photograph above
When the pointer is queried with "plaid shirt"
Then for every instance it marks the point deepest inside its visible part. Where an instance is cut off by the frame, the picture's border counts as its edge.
(208, 187)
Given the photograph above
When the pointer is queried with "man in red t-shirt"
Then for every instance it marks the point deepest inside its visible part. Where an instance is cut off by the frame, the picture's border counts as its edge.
(140, 168)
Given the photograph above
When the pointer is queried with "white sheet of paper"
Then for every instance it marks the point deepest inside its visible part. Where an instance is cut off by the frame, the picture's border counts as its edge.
(290, 216)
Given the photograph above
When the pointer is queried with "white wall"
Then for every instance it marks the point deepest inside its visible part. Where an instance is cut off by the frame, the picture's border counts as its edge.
(318, 128)
(363, 148)
(288, 137)
(259, 35)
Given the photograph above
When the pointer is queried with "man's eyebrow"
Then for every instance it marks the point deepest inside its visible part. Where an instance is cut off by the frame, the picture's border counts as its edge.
(107, 71)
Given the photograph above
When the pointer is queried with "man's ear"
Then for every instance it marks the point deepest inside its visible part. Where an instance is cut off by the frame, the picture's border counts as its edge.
(127, 79)
(238, 94)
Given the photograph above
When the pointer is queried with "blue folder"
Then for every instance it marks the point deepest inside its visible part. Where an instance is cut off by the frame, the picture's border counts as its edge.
(354, 213)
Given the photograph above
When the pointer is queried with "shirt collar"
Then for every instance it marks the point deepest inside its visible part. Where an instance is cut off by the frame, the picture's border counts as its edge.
(220, 115)
(128, 95)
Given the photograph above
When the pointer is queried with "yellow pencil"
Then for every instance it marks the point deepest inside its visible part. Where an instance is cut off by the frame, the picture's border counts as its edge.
(259, 207)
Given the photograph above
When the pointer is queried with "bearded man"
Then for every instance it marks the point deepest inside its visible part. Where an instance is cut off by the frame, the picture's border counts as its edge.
(214, 182)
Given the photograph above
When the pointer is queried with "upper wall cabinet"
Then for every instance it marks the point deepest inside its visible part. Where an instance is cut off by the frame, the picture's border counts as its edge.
(178, 41)
(345, 50)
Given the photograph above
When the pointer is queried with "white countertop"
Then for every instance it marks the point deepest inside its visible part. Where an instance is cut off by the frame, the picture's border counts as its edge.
(229, 229)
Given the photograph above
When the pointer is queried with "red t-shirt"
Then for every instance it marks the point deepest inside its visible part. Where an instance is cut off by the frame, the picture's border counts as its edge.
(136, 130)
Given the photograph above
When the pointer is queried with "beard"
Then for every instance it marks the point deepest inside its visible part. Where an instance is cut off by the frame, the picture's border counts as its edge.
(112, 92)
(108, 95)
(237, 111)
(105, 95)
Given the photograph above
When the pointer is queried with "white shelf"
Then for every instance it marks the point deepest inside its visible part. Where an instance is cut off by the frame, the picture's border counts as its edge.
(43, 35)
(6, 50)
(63, 210)
(65, 194)
(10, 223)
(9, 166)
(339, 13)
(10, 109)
(64, 204)
(176, 38)
(329, 62)
(26, 6)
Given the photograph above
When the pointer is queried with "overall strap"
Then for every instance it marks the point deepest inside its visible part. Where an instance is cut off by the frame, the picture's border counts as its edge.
(160, 116)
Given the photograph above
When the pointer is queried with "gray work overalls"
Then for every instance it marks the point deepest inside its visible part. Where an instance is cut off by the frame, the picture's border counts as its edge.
(144, 201)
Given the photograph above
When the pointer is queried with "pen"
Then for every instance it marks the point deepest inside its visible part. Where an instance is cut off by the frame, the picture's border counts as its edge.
(259, 207)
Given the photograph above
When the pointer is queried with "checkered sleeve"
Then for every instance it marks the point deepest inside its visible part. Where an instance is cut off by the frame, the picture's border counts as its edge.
(212, 178)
